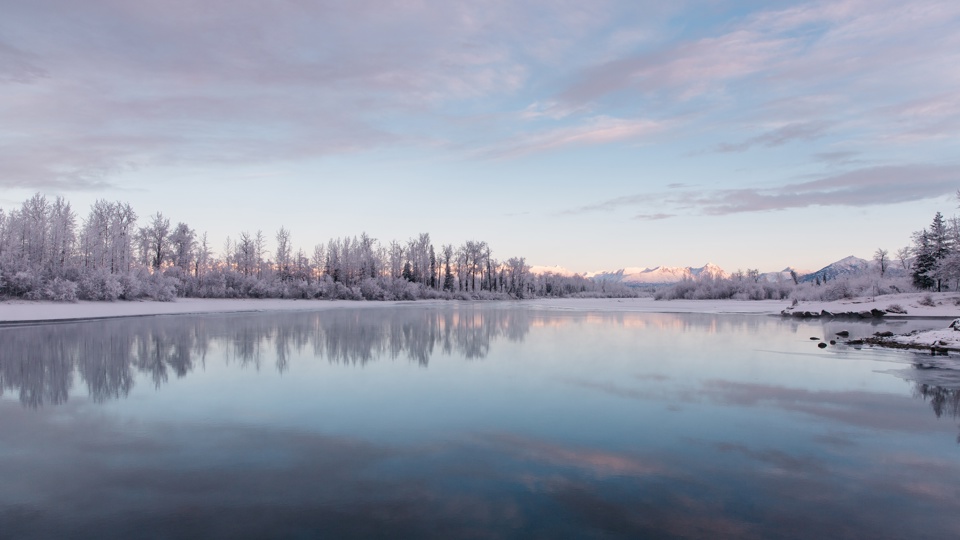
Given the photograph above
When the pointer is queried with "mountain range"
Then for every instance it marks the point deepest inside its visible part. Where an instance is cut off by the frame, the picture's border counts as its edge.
(664, 275)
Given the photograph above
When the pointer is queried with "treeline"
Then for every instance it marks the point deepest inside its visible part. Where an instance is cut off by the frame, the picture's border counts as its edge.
(48, 253)
(932, 262)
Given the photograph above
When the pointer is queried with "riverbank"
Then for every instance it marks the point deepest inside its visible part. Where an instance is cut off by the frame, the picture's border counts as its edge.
(19, 311)
(905, 305)
(913, 304)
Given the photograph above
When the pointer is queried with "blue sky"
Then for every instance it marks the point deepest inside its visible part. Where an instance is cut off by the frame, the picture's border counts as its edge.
(590, 135)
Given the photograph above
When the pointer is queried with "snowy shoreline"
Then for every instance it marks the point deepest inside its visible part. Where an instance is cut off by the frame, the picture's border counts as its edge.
(24, 311)
(913, 305)
(20, 312)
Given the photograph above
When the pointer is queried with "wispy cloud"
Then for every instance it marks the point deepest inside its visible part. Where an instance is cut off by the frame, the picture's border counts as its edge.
(864, 187)
(596, 130)
(777, 137)
(872, 186)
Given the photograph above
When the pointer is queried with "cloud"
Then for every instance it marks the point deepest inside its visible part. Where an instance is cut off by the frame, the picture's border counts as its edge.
(596, 130)
(17, 67)
(805, 131)
(871, 186)
(175, 83)
(863, 187)
(862, 69)
(653, 217)
(613, 204)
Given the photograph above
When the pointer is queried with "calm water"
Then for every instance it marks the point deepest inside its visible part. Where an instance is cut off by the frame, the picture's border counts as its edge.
(477, 421)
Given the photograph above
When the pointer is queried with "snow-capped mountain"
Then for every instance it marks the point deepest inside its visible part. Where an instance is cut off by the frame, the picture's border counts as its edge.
(783, 275)
(658, 275)
(848, 266)
(539, 270)
(665, 275)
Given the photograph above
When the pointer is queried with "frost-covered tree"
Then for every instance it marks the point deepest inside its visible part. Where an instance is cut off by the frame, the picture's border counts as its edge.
(881, 257)
(903, 255)
(932, 246)
(283, 253)
(182, 246)
(924, 262)
(155, 239)
(201, 258)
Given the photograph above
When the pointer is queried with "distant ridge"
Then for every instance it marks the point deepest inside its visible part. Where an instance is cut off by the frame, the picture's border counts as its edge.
(658, 275)
(848, 266)
(640, 276)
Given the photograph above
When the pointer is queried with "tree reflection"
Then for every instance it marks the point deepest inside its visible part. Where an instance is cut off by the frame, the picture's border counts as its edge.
(944, 401)
(41, 362)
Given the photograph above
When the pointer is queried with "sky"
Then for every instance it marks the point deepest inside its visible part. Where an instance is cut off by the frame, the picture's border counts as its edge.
(590, 135)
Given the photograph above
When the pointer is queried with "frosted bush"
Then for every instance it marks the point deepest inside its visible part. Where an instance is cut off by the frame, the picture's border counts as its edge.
(60, 290)
(99, 285)
(24, 284)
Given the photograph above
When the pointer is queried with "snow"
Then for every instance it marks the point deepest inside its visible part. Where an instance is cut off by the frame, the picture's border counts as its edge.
(659, 275)
(649, 305)
(23, 311)
(948, 338)
(558, 270)
(945, 305)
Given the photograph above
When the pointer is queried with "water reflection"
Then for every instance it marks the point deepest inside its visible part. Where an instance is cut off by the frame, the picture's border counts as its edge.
(599, 425)
(41, 362)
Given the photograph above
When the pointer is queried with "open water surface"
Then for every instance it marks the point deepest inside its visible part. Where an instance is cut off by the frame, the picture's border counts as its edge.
(473, 421)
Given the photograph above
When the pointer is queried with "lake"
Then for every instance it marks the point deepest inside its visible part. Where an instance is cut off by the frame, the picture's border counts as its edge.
(489, 420)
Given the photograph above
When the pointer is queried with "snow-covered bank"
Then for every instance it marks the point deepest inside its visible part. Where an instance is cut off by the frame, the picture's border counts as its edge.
(18, 311)
(649, 305)
(942, 340)
(25, 311)
(946, 305)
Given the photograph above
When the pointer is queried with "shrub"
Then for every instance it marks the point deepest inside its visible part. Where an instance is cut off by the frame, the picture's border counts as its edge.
(896, 308)
(60, 290)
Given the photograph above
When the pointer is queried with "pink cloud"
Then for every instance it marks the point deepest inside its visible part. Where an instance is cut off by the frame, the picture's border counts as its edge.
(597, 130)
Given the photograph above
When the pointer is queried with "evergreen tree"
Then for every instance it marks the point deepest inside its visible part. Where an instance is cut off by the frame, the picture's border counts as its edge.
(925, 262)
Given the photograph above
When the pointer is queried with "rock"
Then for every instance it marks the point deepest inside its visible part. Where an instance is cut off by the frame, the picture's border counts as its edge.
(877, 312)
(843, 333)
(833, 342)
(815, 339)
(883, 334)
(865, 314)
(822, 345)
(955, 325)
(826, 313)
